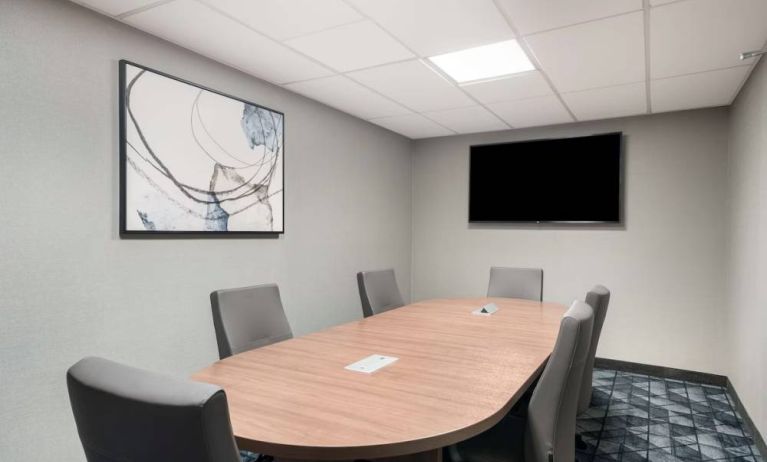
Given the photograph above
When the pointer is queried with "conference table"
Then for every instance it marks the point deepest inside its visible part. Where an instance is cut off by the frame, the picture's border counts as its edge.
(457, 374)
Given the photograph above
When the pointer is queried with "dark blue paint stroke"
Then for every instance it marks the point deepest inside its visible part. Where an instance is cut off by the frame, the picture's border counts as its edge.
(217, 219)
(259, 127)
(148, 224)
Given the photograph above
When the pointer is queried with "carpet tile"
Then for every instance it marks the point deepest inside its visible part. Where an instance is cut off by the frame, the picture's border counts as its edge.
(640, 418)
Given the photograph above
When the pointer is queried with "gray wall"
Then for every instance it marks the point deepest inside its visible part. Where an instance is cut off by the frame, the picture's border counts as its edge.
(72, 288)
(665, 267)
(747, 268)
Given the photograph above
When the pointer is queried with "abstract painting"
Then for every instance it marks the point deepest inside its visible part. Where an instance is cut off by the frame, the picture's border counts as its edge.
(196, 161)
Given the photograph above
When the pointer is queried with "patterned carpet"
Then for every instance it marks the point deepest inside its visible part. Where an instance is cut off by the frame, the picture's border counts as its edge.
(639, 418)
(247, 456)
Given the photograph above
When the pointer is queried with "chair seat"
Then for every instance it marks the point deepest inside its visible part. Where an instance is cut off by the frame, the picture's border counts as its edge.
(502, 443)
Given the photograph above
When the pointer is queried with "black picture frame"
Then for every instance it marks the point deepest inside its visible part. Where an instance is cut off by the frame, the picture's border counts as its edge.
(123, 146)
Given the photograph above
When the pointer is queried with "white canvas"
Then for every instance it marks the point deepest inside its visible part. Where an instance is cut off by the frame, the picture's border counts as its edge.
(198, 161)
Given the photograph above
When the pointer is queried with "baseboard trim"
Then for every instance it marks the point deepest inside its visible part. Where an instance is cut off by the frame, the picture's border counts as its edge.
(661, 371)
(692, 376)
(758, 439)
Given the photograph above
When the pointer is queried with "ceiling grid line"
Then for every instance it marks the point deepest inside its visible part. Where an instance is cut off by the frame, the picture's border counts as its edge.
(345, 73)
(206, 4)
(422, 60)
(441, 74)
(647, 60)
(141, 9)
(400, 103)
(581, 23)
(669, 3)
(701, 72)
(285, 40)
(590, 61)
(261, 34)
(416, 56)
(392, 36)
(534, 59)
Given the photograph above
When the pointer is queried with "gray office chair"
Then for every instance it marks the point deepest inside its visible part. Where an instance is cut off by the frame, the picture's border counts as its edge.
(378, 291)
(248, 318)
(548, 432)
(598, 298)
(525, 283)
(123, 413)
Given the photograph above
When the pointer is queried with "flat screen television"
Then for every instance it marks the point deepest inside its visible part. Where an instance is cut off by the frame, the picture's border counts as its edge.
(565, 180)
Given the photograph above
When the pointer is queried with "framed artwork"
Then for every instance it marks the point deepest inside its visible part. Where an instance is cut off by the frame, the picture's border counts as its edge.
(194, 161)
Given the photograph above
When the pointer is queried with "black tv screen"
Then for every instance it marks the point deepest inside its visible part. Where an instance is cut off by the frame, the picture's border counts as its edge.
(553, 180)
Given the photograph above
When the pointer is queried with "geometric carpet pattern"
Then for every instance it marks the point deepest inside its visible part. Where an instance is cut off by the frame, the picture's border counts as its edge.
(247, 456)
(639, 418)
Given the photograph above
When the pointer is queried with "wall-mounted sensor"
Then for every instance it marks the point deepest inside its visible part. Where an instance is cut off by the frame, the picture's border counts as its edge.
(751, 54)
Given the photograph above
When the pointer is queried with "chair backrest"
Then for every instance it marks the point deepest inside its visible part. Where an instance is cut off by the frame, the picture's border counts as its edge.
(553, 405)
(378, 291)
(123, 413)
(525, 283)
(248, 318)
(598, 298)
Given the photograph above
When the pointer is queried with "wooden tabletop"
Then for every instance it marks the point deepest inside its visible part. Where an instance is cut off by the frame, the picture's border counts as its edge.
(456, 376)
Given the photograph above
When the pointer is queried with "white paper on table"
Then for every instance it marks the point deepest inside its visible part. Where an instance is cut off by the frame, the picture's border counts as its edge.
(371, 364)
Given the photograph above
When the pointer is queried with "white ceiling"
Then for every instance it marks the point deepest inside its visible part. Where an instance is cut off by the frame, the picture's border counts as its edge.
(594, 59)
